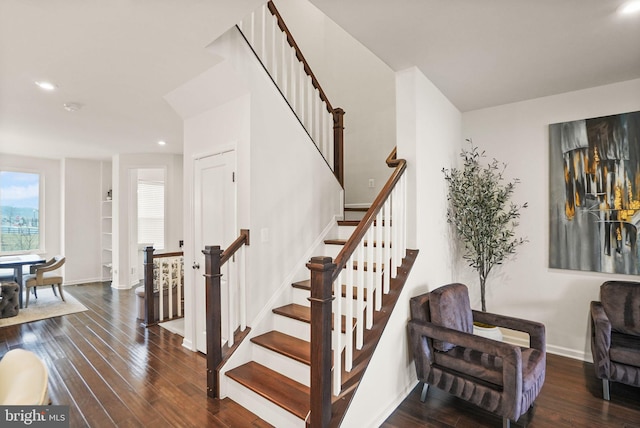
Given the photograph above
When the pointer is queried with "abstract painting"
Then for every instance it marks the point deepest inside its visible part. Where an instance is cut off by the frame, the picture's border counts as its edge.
(594, 206)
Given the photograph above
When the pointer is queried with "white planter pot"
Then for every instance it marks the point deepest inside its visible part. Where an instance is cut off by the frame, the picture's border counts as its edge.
(488, 332)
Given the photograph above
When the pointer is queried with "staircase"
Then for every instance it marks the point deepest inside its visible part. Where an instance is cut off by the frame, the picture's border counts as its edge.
(307, 358)
(275, 383)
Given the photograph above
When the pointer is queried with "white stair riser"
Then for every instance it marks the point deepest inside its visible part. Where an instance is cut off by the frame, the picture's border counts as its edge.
(282, 364)
(300, 297)
(265, 409)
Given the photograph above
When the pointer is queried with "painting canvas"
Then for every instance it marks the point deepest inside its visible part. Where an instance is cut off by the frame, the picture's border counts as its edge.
(595, 194)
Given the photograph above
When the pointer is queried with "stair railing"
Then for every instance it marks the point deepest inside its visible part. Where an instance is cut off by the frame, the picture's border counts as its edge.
(235, 305)
(275, 47)
(364, 272)
(163, 274)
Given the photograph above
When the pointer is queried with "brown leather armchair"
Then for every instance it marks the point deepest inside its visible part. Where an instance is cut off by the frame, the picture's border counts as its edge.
(499, 377)
(615, 334)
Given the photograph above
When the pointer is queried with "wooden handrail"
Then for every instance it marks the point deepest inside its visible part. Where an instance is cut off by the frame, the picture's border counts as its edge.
(241, 240)
(301, 58)
(172, 254)
(350, 246)
(149, 257)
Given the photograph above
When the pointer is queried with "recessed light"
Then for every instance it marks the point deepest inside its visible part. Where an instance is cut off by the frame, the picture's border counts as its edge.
(72, 106)
(162, 143)
(630, 7)
(47, 86)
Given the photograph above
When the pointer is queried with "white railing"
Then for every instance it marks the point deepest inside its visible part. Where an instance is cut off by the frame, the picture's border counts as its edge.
(168, 281)
(365, 266)
(367, 273)
(163, 286)
(274, 46)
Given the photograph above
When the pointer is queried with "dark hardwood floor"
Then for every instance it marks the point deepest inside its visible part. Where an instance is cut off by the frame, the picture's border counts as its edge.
(112, 372)
(571, 397)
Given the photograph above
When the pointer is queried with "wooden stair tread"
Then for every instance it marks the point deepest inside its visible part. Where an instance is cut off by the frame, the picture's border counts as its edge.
(306, 285)
(357, 222)
(289, 346)
(344, 241)
(302, 313)
(281, 390)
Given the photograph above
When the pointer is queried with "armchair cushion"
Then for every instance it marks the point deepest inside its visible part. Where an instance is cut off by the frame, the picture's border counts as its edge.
(624, 349)
(621, 302)
(450, 308)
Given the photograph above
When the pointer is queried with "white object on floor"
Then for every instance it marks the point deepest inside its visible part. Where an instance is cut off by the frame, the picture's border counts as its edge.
(24, 379)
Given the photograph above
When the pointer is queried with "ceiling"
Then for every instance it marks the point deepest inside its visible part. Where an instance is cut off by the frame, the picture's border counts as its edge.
(118, 59)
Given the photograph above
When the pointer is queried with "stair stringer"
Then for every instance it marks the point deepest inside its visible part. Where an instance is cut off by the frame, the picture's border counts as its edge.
(390, 375)
(265, 320)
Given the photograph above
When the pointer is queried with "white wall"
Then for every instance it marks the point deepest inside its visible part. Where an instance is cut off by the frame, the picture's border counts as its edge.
(526, 287)
(125, 257)
(284, 185)
(82, 183)
(357, 81)
(429, 139)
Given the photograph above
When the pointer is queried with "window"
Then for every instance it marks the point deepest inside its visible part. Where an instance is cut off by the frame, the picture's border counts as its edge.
(151, 213)
(20, 200)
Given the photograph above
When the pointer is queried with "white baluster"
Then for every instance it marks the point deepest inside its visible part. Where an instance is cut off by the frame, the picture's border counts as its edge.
(360, 297)
(263, 33)
(370, 277)
(252, 30)
(395, 236)
(302, 85)
(293, 79)
(274, 51)
(330, 140)
(243, 288)
(230, 305)
(379, 249)
(180, 285)
(170, 288)
(348, 340)
(284, 56)
(337, 334)
(161, 291)
(388, 245)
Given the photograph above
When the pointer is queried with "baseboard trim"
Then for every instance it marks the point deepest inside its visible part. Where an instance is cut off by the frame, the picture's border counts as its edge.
(552, 349)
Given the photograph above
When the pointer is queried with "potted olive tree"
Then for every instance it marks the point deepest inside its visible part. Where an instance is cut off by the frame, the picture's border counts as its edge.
(482, 214)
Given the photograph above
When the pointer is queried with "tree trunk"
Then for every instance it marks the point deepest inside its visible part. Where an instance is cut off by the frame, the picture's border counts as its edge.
(483, 281)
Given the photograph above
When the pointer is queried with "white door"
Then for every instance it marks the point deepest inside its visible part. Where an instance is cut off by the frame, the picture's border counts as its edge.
(215, 223)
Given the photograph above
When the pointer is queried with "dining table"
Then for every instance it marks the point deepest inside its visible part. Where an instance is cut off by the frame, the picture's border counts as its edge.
(17, 263)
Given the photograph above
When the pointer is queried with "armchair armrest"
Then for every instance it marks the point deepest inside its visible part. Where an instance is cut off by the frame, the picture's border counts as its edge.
(504, 350)
(536, 330)
(600, 339)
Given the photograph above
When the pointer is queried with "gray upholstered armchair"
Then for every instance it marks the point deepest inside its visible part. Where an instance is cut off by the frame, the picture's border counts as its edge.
(615, 334)
(499, 377)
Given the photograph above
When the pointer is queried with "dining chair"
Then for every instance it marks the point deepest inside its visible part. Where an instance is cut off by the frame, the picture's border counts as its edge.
(44, 275)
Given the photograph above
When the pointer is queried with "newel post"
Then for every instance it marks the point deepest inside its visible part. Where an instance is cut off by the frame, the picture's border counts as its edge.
(149, 297)
(338, 144)
(321, 299)
(212, 256)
